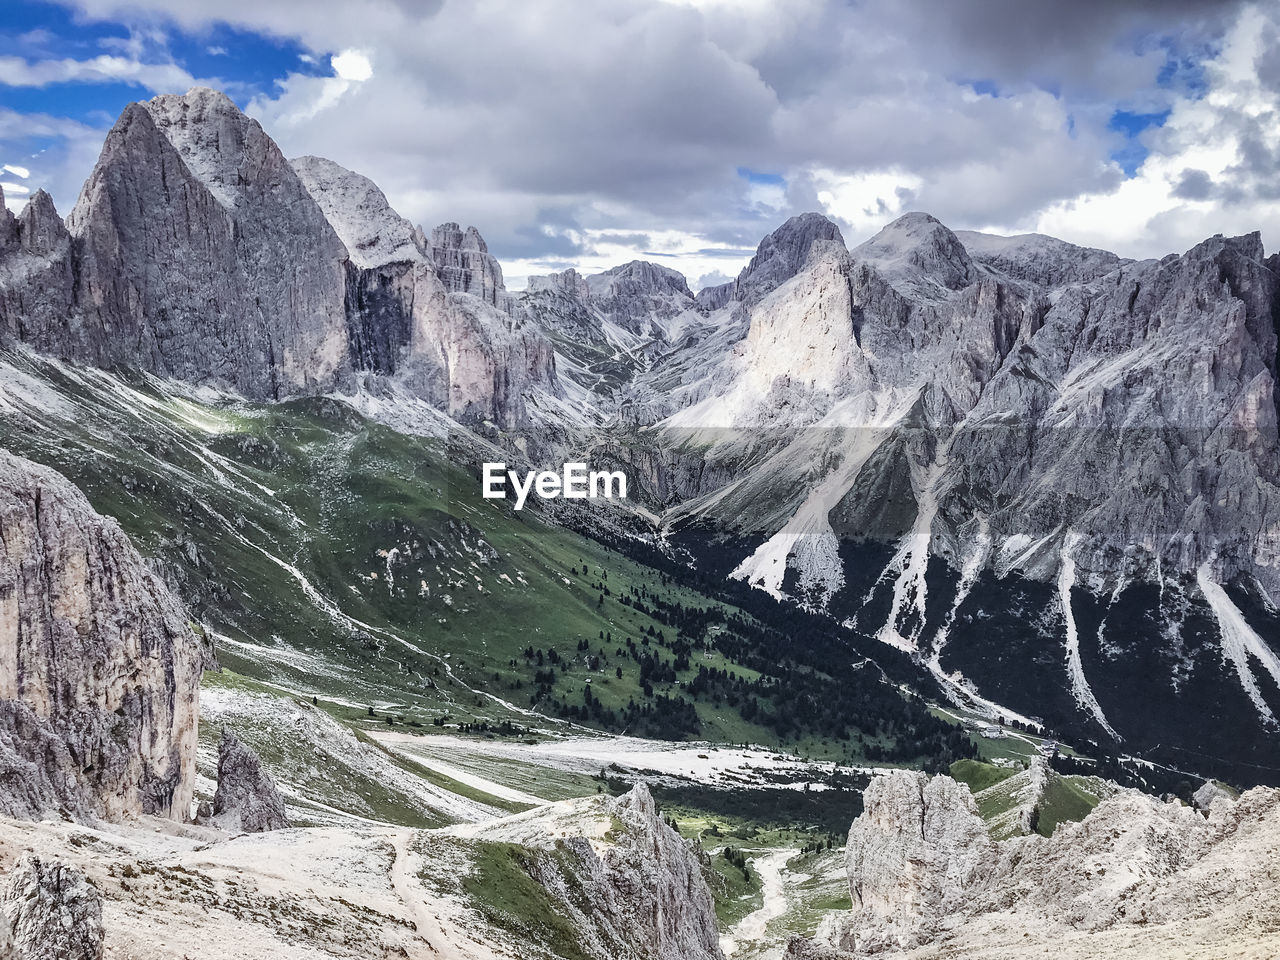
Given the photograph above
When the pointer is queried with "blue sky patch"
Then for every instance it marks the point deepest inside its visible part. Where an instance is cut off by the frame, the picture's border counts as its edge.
(1133, 152)
(240, 62)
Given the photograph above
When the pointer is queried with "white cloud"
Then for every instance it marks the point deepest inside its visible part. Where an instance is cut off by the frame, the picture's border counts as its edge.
(578, 131)
(56, 153)
(17, 171)
(865, 201)
(352, 65)
(1146, 216)
(157, 77)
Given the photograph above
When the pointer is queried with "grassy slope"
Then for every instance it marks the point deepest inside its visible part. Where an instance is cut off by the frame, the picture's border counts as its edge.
(979, 776)
(335, 556)
(736, 893)
(997, 791)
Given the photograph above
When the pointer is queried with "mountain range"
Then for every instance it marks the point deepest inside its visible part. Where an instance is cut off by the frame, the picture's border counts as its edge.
(1046, 476)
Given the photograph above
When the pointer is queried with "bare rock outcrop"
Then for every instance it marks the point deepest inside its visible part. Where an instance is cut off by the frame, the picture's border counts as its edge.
(247, 799)
(627, 885)
(50, 911)
(1038, 259)
(645, 895)
(1207, 793)
(202, 256)
(639, 295)
(779, 257)
(912, 855)
(464, 265)
(922, 870)
(99, 667)
(654, 887)
(445, 328)
(36, 275)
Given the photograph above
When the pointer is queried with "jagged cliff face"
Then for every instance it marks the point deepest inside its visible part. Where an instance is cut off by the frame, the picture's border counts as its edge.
(247, 800)
(1134, 878)
(464, 265)
(986, 392)
(99, 668)
(36, 274)
(912, 854)
(957, 451)
(780, 257)
(434, 314)
(202, 256)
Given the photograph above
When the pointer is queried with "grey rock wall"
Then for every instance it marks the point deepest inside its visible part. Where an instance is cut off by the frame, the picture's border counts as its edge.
(99, 667)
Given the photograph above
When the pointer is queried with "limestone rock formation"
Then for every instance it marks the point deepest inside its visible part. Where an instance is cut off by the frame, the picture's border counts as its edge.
(247, 800)
(373, 233)
(202, 256)
(626, 883)
(653, 884)
(464, 264)
(1038, 259)
(912, 855)
(923, 872)
(36, 275)
(640, 295)
(449, 332)
(1207, 793)
(568, 282)
(40, 231)
(780, 256)
(99, 668)
(50, 911)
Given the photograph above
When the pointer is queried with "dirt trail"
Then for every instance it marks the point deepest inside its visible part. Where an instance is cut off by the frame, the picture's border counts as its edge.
(436, 937)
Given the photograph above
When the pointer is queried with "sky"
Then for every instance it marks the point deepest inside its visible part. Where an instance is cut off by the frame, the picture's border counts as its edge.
(588, 133)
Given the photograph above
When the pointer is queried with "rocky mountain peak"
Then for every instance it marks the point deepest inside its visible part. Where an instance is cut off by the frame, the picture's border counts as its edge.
(782, 254)
(1035, 258)
(223, 147)
(37, 231)
(8, 225)
(40, 229)
(374, 234)
(639, 278)
(568, 282)
(203, 256)
(918, 247)
(464, 265)
(638, 802)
